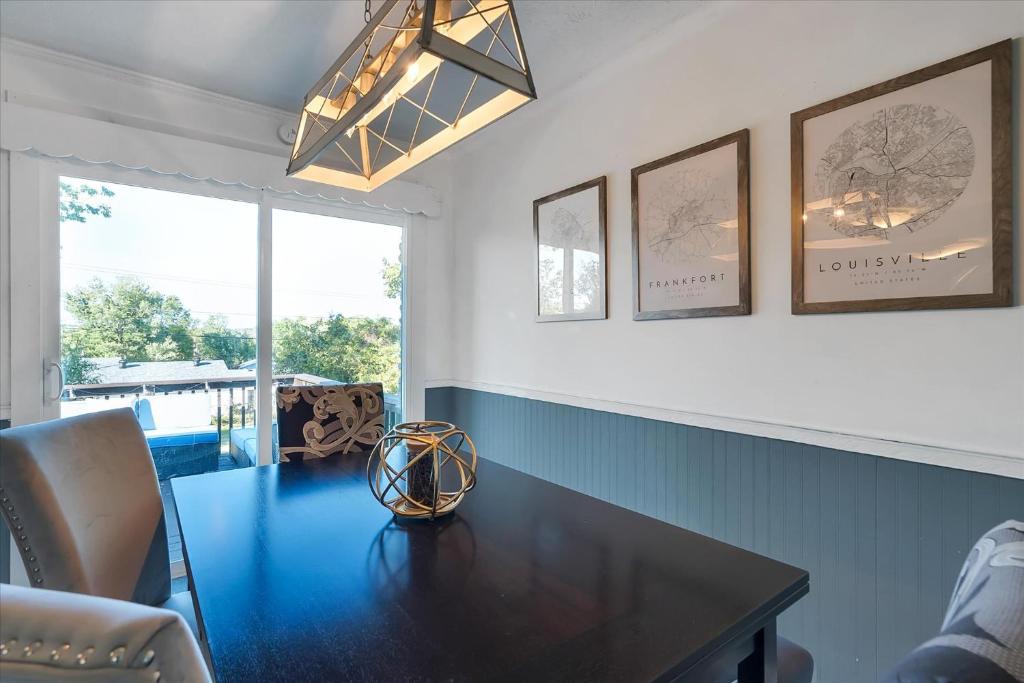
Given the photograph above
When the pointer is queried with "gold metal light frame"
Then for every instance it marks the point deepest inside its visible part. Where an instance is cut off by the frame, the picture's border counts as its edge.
(422, 75)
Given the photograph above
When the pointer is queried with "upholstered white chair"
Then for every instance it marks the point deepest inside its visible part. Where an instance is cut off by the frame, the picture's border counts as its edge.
(82, 500)
(58, 636)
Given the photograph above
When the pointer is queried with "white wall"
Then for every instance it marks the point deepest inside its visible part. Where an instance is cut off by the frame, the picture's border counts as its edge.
(52, 80)
(942, 386)
(945, 386)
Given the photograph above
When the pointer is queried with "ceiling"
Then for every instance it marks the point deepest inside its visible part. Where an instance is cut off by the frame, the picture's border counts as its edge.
(271, 51)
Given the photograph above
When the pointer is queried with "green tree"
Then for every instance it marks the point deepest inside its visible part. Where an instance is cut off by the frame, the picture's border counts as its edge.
(340, 348)
(550, 287)
(78, 369)
(588, 285)
(75, 204)
(214, 339)
(130, 321)
(392, 275)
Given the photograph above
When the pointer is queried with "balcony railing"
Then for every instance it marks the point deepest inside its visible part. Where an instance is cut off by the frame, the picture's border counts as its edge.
(234, 396)
(240, 395)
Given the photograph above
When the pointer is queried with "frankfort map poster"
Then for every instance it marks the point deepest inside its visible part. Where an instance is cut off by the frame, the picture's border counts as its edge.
(691, 232)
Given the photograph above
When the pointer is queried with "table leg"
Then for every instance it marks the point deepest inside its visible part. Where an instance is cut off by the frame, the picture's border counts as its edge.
(761, 666)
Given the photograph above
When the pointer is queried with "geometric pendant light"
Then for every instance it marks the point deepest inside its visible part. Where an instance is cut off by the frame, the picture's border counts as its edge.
(422, 75)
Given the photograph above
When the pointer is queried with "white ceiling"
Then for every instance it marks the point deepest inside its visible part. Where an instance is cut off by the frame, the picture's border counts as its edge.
(271, 51)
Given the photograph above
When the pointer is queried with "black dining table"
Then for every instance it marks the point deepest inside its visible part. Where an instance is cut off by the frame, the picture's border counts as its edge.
(299, 574)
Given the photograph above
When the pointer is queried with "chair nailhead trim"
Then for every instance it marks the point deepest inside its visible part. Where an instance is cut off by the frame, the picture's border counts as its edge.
(117, 654)
(31, 648)
(6, 647)
(56, 653)
(23, 538)
(156, 677)
(147, 658)
(82, 657)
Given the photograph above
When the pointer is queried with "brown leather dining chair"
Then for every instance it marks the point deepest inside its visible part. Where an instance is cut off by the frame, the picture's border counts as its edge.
(316, 421)
(81, 498)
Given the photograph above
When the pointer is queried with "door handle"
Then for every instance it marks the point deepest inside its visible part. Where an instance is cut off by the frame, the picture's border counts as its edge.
(60, 378)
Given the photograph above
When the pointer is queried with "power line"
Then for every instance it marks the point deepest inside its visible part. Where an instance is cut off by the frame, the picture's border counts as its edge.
(157, 276)
(214, 283)
(239, 335)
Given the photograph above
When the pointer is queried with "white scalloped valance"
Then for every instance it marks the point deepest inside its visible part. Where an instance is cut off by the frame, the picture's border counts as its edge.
(61, 135)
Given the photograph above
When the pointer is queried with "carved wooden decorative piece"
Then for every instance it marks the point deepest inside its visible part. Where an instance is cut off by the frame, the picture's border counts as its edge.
(902, 193)
(407, 469)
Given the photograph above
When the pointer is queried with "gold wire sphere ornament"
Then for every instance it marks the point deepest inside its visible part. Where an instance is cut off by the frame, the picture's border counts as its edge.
(412, 486)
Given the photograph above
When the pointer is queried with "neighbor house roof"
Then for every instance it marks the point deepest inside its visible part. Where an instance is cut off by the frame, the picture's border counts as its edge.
(109, 371)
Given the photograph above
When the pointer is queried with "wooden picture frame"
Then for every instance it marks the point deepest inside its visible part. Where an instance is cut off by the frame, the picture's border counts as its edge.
(575, 217)
(719, 281)
(938, 224)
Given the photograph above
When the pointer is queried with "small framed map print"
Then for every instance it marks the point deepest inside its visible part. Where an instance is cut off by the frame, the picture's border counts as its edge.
(902, 193)
(691, 232)
(569, 234)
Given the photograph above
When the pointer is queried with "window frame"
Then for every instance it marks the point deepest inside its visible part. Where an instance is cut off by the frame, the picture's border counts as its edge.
(36, 236)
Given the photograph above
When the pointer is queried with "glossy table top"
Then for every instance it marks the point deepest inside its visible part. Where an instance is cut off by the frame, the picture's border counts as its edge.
(299, 574)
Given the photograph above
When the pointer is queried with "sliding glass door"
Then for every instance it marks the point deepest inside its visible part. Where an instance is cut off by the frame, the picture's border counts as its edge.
(159, 294)
(337, 303)
(157, 305)
(158, 299)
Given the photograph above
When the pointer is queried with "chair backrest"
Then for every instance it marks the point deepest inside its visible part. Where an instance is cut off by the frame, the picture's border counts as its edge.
(144, 413)
(56, 636)
(82, 406)
(320, 420)
(171, 411)
(81, 497)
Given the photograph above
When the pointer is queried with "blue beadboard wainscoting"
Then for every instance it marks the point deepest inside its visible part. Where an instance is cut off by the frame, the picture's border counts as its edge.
(883, 539)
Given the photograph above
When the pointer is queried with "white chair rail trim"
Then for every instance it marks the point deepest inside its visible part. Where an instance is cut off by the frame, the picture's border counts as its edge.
(1003, 464)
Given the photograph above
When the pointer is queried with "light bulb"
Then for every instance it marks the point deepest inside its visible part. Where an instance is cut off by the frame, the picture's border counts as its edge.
(839, 213)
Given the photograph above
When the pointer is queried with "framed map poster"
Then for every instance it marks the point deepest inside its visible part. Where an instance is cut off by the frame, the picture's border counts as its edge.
(569, 261)
(902, 192)
(691, 232)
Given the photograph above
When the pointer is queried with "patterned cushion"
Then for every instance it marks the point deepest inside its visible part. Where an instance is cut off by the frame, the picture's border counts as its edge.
(317, 421)
(982, 637)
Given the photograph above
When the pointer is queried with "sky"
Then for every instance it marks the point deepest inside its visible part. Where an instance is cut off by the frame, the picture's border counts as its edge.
(203, 250)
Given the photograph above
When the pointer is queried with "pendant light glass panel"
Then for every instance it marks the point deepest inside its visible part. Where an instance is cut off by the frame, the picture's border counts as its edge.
(420, 77)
